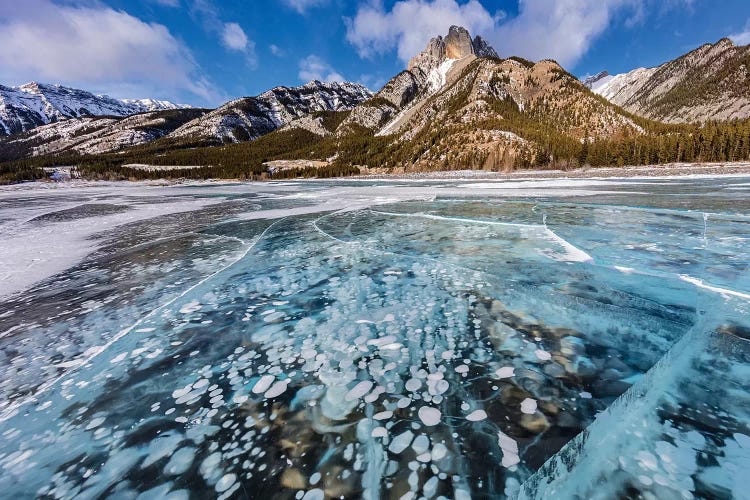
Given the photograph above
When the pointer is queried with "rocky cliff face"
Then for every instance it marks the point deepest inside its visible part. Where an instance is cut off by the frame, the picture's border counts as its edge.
(250, 117)
(96, 135)
(427, 72)
(709, 83)
(456, 45)
(34, 104)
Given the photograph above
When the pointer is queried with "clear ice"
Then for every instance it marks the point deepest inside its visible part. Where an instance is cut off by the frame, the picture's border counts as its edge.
(381, 340)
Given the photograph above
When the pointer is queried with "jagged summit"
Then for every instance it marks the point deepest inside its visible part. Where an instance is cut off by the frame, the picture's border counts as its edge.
(456, 45)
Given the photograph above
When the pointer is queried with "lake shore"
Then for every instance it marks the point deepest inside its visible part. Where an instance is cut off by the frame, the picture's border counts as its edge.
(669, 170)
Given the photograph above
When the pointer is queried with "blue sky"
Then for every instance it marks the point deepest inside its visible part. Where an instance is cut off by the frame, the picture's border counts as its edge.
(204, 52)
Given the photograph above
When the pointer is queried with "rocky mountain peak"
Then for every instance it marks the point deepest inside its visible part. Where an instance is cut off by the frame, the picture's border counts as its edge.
(456, 45)
(725, 43)
(482, 48)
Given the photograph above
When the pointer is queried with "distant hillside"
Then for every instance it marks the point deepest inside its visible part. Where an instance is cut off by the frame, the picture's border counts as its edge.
(35, 104)
(709, 83)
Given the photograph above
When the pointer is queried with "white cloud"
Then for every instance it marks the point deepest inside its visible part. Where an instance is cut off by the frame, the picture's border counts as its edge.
(556, 29)
(563, 30)
(742, 38)
(94, 46)
(314, 68)
(234, 37)
(412, 23)
(277, 51)
(302, 5)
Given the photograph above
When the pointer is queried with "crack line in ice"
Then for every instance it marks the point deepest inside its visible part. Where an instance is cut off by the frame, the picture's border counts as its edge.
(682, 277)
(723, 291)
(406, 256)
(573, 253)
(422, 215)
(12, 409)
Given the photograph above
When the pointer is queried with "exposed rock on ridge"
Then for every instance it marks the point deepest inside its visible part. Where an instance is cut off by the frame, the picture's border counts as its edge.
(709, 83)
(456, 45)
(251, 117)
(34, 104)
(435, 67)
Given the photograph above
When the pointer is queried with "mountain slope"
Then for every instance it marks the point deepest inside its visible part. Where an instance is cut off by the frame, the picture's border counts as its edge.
(597, 81)
(451, 108)
(96, 135)
(32, 105)
(251, 117)
(709, 83)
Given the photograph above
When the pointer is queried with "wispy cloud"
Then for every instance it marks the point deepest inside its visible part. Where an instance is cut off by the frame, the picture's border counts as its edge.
(231, 34)
(314, 68)
(95, 46)
(302, 6)
(277, 51)
(742, 38)
(168, 3)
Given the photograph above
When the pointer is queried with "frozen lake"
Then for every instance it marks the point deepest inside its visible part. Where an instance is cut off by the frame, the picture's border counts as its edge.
(378, 339)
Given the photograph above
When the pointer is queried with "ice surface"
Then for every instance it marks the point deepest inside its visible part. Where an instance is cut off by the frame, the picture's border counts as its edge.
(379, 339)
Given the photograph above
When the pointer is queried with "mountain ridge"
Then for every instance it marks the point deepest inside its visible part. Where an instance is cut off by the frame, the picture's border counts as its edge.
(33, 104)
(711, 82)
(455, 106)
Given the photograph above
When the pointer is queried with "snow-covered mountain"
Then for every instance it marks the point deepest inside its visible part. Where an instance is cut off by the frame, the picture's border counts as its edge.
(251, 117)
(239, 120)
(709, 83)
(597, 81)
(34, 104)
(96, 134)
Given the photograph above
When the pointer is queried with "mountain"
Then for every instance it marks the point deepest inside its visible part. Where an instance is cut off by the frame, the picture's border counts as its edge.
(709, 83)
(451, 108)
(251, 117)
(34, 104)
(237, 121)
(457, 105)
(96, 135)
(597, 81)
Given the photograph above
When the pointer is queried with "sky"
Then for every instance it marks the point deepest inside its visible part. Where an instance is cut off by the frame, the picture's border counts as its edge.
(205, 52)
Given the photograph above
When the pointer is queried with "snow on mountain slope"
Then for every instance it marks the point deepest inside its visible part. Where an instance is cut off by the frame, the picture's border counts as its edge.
(34, 104)
(621, 88)
(436, 67)
(250, 117)
(94, 135)
(710, 83)
(598, 81)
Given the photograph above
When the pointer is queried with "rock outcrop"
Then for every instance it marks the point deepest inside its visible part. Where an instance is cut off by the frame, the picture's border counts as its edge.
(456, 45)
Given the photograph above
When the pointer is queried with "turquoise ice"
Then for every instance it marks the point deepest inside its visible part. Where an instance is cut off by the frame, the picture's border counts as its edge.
(430, 339)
